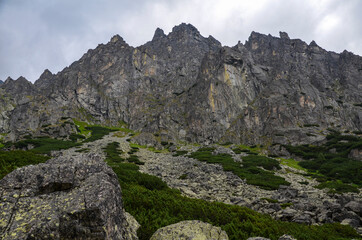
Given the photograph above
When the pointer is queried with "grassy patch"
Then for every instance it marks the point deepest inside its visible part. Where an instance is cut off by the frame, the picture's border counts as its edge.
(154, 205)
(11, 160)
(330, 162)
(97, 132)
(250, 170)
(81, 127)
(338, 187)
(44, 145)
(291, 163)
(285, 205)
(254, 150)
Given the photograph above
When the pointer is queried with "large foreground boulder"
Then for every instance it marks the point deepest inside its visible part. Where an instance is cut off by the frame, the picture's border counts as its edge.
(190, 230)
(64, 198)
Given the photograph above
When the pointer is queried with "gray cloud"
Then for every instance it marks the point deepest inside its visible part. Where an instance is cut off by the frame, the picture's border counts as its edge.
(43, 34)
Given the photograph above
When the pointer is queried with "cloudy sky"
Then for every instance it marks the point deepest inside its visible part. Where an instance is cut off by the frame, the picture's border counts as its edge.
(51, 34)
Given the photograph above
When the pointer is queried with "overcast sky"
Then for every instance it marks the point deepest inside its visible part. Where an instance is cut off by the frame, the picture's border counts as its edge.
(51, 34)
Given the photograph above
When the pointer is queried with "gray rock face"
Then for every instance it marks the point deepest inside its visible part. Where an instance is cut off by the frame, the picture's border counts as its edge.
(187, 87)
(190, 230)
(64, 198)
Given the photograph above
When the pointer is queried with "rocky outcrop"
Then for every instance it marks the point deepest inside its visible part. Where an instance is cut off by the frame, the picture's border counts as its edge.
(64, 198)
(190, 230)
(184, 86)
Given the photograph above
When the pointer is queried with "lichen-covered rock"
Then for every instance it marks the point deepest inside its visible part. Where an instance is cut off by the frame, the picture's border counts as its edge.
(147, 139)
(64, 198)
(190, 230)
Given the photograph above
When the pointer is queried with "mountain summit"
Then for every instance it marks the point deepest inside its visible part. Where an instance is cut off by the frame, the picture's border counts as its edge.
(184, 86)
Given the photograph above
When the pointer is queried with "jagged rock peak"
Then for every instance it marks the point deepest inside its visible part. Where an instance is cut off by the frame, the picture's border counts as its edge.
(46, 74)
(20, 80)
(284, 35)
(9, 79)
(313, 44)
(159, 33)
(117, 39)
(185, 30)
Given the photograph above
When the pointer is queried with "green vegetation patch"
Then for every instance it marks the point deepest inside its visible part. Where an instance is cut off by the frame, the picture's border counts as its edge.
(44, 145)
(155, 205)
(113, 153)
(253, 150)
(97, 132)
(250, 170)
(179, 153)
(285, 205)
(338, 187)
(330, 163)
(291, 163)
(11, 160)
(270, 200)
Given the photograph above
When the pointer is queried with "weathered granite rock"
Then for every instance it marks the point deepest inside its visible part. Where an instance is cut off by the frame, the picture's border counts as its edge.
(64, 198)
(286, 237)
(147, 139)
(354, 206)
(190, 230)
(190, 88)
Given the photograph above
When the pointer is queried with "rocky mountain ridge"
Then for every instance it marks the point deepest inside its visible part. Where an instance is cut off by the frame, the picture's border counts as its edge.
(183, 86)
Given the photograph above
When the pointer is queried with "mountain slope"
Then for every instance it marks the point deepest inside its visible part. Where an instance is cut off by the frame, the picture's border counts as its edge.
(184, 86)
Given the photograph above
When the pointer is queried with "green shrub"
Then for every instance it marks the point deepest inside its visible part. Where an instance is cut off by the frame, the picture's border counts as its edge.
(179, 153)
(44, 145)
(250, 169)
(134, 159)
(338, 187)
(75, 137)
(333, 166)
(285, 205)
(183, 177)
(113, 153)
(11, 160)
(97, 132)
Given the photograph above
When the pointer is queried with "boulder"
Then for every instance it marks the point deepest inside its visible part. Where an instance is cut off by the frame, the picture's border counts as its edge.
(352, 222)
(64, 198)
(355, 207)
(147, 139)
(286, 237)
(286, 214)
(286, 192)
(302, 218)
(190, 230)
